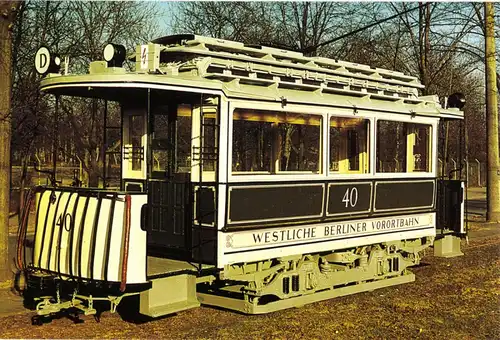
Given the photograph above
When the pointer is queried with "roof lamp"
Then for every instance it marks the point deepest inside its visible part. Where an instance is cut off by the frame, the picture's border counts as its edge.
(456, 100)
(114, 54)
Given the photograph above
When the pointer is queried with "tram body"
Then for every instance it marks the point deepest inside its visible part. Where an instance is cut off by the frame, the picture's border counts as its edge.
(252, 178)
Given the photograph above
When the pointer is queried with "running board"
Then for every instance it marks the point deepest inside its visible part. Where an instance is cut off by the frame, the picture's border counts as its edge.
(243, 306)
(169, 295)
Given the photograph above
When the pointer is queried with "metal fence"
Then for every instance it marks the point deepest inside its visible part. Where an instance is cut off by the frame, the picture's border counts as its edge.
(474, 171)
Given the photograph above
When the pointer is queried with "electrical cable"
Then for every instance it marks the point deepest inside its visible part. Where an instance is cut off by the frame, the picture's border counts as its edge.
(314, 48)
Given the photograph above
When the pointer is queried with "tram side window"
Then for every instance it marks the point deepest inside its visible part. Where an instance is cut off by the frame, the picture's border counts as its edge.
(420, 141)
(349, 145)
(252, 146)
(403, 147)
(272, 142)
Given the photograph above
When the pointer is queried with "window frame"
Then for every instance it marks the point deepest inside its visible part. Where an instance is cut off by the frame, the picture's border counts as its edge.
(367, 149)
(275, 166)
(326, 112)
(432, 148)
(264, 176)
(128, 171)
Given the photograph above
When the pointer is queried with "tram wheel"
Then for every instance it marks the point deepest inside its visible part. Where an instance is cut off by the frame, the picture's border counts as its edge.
(76, 318)
(36, 320)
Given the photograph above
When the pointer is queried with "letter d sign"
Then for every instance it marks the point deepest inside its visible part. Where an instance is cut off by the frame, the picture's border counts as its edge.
(42, 60)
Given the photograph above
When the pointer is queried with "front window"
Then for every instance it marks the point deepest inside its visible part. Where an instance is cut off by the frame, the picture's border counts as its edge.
(136, 124)
(160, 141)
(171, 142)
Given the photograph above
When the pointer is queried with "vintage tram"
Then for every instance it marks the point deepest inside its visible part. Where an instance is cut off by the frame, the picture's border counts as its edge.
(252, 178)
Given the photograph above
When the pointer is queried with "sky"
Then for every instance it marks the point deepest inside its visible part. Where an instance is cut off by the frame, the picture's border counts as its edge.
(166, 7)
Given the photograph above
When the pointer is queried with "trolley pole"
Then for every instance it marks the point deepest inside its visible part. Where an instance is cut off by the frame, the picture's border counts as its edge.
(493, 173)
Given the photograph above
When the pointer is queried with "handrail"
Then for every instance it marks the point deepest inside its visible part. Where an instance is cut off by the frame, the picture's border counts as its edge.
(51, 174)
(126, 241)
(21, 238)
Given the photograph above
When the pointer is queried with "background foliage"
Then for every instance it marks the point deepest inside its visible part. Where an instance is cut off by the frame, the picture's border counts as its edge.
(441, 43)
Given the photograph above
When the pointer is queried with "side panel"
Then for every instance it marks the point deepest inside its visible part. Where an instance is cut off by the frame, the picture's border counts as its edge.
(80, 234)
(256, 245)
(397, 195)
(275, 202)
(260, 205)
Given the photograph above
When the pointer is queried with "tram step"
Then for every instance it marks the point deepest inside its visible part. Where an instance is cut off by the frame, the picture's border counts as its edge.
(172, 308)
(169, 295)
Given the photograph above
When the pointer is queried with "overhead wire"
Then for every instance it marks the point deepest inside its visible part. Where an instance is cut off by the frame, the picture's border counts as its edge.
(311, 49)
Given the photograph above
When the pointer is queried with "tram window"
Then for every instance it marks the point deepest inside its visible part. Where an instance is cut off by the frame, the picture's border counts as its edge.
(183, 140)
(419, 139)
(349, 145)
(403, 147)
(171, 143)
(160, 141)
(252, 146)
(271, 142)
(136, 124)
(209, 142)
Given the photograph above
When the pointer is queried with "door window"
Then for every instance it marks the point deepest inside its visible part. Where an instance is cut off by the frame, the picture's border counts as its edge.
(136, 124)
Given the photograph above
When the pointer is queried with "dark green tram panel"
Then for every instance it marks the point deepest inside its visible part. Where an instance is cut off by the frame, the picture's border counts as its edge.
(399, 195)
(275, 202)
(170, 210)
(349, 198)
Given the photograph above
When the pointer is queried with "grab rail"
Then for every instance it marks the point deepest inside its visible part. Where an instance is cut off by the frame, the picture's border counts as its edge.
(126, 241)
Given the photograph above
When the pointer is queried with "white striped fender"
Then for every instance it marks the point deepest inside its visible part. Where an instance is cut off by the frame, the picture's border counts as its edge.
(81, 234)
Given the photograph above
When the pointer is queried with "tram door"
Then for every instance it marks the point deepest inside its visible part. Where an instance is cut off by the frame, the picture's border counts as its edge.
(169, 187)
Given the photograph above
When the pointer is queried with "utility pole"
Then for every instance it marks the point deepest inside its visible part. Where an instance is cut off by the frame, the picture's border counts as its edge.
(493, 173)
(8, 10)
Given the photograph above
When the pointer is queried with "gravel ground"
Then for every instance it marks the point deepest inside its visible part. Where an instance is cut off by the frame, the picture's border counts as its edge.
(457, 298)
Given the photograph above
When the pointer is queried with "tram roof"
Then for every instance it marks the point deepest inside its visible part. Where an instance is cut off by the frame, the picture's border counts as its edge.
(255, 73)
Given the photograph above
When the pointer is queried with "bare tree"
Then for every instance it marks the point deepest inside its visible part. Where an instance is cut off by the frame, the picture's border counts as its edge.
(78, 30)
(493, 189)
(8, 11)
(248, 22)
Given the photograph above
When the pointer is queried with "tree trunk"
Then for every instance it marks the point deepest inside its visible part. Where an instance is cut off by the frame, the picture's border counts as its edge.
(493, 174)
(7, 10)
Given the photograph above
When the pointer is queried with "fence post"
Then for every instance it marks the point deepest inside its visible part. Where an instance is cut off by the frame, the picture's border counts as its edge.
(454, 168)
(466, 170)
(478, 172)
(396, 165)
(40, 165)
(80, 168)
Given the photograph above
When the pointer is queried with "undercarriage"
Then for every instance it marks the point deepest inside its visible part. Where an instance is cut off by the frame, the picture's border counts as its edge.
(267, 286)
(251, 288)
(50, 295)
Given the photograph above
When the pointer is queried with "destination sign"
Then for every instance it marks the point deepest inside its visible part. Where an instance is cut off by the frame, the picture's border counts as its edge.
(327, 231)
(45, 62)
